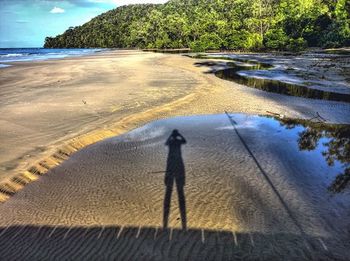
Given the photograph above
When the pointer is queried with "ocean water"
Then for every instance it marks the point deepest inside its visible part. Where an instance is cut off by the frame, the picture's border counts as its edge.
(8, 55)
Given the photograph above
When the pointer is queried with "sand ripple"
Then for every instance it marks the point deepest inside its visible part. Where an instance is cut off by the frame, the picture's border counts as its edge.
(107, 200)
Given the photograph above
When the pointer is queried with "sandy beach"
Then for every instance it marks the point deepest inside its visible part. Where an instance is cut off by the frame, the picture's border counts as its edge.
(111, 193)
(45, 105)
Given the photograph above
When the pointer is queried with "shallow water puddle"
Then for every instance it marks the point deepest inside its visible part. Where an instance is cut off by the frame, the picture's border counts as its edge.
(228, 184)
(322, 149)
(258, 75)
(232, 74)
(255, 172)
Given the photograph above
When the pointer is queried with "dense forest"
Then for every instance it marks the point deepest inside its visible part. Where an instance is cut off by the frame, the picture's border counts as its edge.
(216, 24)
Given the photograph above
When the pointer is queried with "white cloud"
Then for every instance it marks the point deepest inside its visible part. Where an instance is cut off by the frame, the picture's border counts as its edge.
(128, 2)
(57, 10)
(102, 1)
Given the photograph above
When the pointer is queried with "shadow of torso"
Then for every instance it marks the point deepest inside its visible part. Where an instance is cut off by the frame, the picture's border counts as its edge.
(175, 166)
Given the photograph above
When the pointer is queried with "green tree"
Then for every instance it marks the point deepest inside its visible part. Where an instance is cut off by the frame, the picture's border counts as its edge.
(216, 24)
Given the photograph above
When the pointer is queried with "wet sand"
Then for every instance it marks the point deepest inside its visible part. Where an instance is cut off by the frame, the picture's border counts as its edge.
(321, 71)
(44, 105)
(109, 199)
(51, 109)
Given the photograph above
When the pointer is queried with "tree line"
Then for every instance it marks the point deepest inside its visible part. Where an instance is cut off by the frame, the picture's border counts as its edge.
(216, 24)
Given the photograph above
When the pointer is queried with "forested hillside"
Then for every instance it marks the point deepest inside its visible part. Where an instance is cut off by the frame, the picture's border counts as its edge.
(216, 24)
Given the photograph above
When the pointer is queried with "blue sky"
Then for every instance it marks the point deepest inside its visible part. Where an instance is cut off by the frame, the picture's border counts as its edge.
(26, 23)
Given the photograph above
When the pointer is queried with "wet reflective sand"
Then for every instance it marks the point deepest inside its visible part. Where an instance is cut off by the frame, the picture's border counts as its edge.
(281, 74)
(232, 74)
(316, 70)
(253, 187)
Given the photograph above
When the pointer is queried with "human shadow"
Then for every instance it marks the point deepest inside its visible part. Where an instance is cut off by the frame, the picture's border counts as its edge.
(175, 172)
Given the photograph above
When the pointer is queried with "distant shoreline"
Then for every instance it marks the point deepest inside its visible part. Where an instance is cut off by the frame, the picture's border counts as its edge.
(4, 63)
(10, 56)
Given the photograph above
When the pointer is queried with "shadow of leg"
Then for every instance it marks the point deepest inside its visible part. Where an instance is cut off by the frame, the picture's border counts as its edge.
(182, 205)
(166, 208)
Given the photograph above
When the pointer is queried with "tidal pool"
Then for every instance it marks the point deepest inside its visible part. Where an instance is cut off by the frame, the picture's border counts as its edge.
(276, 75)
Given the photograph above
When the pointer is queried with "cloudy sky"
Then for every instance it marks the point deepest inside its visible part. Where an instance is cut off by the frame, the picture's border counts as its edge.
(26, 23)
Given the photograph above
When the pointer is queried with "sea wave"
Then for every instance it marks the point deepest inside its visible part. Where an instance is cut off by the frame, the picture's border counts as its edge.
(35, 54)
(14, 54)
